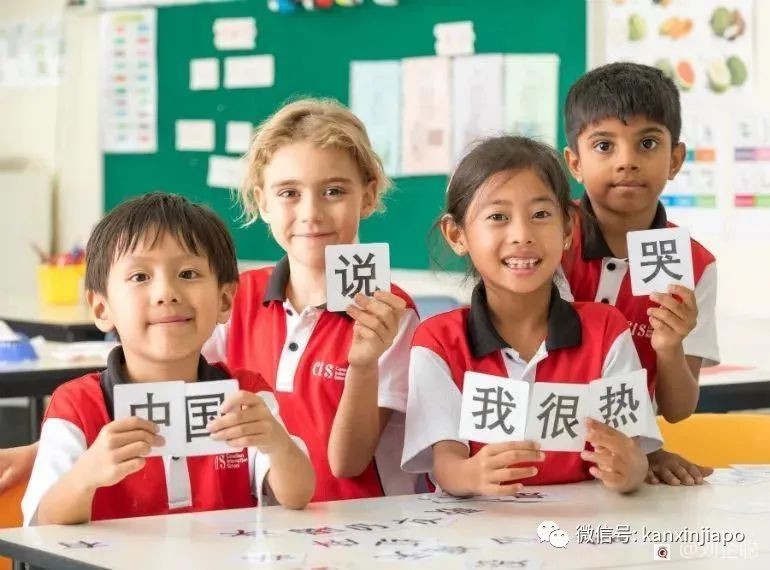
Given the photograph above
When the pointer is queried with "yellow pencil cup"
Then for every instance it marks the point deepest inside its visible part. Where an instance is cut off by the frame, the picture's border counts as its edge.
(60, 284)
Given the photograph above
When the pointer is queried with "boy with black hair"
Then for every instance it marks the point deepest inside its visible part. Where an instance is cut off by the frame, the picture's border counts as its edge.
(623, 123)
(162, 272)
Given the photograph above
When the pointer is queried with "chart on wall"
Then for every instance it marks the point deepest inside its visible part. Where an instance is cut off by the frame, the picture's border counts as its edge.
(707, 48)
(30, 52)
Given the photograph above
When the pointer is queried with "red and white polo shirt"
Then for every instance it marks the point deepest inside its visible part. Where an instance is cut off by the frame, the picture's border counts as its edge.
(304, 357)
(594, 274)
(80, 408)
(584, 342)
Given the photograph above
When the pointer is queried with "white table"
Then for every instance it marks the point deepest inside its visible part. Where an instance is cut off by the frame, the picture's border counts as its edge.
(39, 378)
(63, 323)
(194, 541)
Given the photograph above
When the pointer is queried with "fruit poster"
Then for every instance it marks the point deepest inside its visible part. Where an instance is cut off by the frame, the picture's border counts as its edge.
(706, 46)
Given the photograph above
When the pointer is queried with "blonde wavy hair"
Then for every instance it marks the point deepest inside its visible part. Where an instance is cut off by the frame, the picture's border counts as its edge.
(322, 122)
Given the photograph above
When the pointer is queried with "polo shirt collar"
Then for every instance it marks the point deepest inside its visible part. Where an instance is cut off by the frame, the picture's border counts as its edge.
(594, 246)
(113, 375)
(564, 326)
(276, 285)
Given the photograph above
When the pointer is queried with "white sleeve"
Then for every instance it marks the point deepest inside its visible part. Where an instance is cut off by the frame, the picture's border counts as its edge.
(702, 341)
(62, 443)
(623, 358)
(215, 348)
(393, 366)
(432, 410)
(259, 463)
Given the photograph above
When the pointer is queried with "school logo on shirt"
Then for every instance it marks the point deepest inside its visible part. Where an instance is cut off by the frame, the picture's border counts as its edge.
(642, 330)
(230, 460)
(328, 371)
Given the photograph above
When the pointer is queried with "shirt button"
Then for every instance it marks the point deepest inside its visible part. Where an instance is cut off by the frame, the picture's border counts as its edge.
(175, 458)
(606, 301)
(293, 346)
(508, 356)
(289, 312)
(611, 267)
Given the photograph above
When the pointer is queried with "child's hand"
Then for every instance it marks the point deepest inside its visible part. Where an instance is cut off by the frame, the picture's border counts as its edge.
(16, 465)
(673, 320)
(494, 465)
(248, 422)
(376, 326)
(620, 463)
(674, 469)
(117, 452)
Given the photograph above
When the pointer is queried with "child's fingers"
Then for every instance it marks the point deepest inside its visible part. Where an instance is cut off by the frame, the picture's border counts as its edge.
(242, 430)
(125, 438)
(385, 311)
(370, 322)
(652, 479)
(668, 477)
(126, 468)
(374, 314)
(683, 475)
(244, 416)
(687, 295)
(501, 490)
(131, 451)
(515, 456)
(498, 448)
(695, 472)
(394, 301)
(234, 401)
(131, 423)
(511, 474)
(705, 471)
(600, 434)
(670, 320)
(679, 309)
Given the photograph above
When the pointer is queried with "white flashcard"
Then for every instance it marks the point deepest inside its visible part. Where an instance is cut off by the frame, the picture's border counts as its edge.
(159, 402)
(356, 268)
(454, 38)
(182, 410)
(659, 258)
(494, 408)
(204, 74)
(202, 403)
(197, 135)
(238, 136)
(249, 71)
(557, 414)
(623, 402)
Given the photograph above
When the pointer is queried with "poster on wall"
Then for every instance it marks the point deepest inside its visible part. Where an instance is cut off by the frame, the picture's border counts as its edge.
(129, 82)
(112, 4)
(30, 53)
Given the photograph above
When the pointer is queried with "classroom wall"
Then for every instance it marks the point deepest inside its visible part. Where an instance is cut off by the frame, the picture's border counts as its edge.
(57, 126)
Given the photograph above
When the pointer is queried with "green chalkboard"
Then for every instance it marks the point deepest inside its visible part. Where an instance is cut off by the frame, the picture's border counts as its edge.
(313, 51)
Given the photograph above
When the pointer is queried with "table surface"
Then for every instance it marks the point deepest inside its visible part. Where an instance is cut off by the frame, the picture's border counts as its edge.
(201, 540)
(29, 309)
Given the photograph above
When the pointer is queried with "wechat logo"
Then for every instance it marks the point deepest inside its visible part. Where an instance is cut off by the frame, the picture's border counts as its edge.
(549, 531)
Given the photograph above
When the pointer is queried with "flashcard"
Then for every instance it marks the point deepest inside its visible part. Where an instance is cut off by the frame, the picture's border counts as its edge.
(659, 258)
(182, 410)
(494, 408)
(352, 269)
(557, 414)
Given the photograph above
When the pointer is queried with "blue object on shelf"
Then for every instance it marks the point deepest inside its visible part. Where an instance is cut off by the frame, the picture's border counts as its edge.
(19, 350)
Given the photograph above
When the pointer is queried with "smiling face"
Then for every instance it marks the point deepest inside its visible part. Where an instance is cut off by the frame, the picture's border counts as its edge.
(625, 166)
(313, 197)
(164, 302)
(514, 232)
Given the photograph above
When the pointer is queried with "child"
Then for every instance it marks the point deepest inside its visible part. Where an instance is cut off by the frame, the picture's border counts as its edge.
(623, 123)
(508, 210)
(340, 378)
(161, 272)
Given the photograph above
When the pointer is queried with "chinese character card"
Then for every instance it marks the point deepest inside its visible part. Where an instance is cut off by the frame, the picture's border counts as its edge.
(182, 410)
(357, 268)
(659, 258)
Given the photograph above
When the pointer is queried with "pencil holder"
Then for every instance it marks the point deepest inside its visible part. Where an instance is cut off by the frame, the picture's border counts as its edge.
(60, 284)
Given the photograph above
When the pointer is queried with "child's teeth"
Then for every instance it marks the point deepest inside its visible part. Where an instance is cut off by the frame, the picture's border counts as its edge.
(521, 263)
